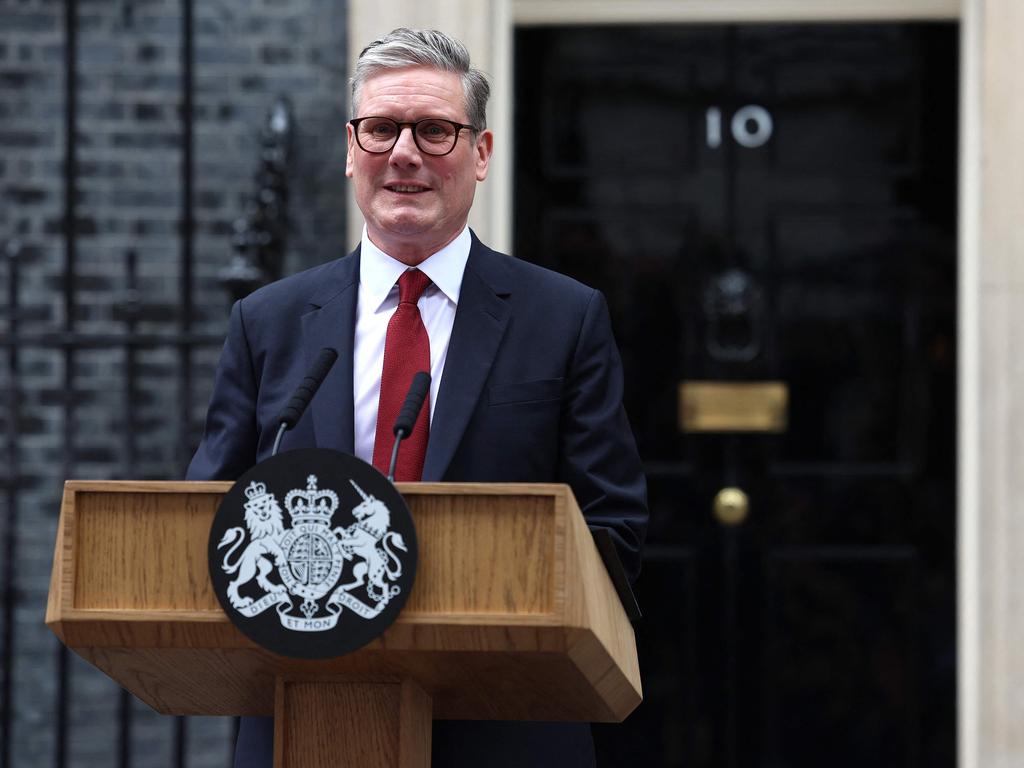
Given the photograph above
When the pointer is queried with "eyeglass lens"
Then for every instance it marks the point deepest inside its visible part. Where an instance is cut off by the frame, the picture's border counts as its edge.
(379, 134)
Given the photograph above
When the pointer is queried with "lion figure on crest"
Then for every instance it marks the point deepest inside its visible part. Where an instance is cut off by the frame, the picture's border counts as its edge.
(370, 540)
(265, 523)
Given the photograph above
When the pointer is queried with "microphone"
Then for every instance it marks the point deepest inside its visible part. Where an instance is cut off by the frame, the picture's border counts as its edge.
(407, 416)
(304, 393)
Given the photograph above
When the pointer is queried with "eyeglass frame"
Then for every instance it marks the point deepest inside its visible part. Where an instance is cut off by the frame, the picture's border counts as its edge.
(411, 125)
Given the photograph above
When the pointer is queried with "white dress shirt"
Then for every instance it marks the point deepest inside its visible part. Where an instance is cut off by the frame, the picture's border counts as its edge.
(378, 299)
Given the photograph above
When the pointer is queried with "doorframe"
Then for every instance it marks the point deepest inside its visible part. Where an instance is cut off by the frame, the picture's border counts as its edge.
(990, 262)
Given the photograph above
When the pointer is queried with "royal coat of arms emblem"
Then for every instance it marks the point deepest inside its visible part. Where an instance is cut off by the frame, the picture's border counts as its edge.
(322, 557)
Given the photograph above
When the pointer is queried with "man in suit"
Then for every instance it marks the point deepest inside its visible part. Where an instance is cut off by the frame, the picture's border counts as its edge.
(526, 379)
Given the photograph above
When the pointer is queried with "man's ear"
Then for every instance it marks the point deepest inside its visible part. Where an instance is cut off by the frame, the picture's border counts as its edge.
(483, 149)
(350, 154)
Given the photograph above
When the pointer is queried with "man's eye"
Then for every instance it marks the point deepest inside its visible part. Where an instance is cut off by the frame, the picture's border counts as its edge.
(433, 130)
(382, 130)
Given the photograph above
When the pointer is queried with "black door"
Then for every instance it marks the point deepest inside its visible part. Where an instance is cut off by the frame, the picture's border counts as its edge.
(770, 204)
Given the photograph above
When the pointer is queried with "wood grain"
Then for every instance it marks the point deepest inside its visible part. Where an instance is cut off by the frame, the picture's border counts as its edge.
(512, 615)
(486, 554)
(59, 586)
(337, 723)
(141, 550)
(606, 648)
(415, 726)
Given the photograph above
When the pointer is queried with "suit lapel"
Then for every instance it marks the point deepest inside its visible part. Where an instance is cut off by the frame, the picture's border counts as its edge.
(331, 323)
(479, 326)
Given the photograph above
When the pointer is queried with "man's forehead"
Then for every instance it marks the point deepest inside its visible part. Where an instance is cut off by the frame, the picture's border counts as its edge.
(413, 87)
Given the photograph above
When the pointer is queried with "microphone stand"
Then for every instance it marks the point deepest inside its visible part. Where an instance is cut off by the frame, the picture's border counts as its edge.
(399, 435)
(407, 416)
(277, 440)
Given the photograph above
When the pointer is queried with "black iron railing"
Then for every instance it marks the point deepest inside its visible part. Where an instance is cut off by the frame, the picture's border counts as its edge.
(68, 344)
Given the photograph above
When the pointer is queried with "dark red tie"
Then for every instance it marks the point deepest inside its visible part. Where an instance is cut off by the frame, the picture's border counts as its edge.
(406, 353)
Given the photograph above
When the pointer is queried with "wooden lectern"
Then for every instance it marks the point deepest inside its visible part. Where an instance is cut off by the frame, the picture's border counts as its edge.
(512, 617)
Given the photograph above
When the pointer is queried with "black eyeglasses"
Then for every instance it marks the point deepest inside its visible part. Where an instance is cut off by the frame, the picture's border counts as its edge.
(433, 136)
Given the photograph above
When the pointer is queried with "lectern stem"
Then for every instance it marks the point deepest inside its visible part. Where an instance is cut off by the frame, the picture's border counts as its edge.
(338, 723)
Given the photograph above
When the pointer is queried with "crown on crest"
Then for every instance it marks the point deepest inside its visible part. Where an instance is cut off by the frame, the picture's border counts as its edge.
(257, 498)
(255, 490)
(312, 505)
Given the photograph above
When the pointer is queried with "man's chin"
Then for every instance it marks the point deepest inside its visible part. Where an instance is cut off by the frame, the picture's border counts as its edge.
(406, 223)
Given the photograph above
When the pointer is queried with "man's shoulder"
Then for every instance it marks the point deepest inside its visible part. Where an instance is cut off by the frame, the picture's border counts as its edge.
(314, 286)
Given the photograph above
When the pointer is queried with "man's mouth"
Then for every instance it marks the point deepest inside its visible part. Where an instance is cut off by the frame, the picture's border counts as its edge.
(406, 188)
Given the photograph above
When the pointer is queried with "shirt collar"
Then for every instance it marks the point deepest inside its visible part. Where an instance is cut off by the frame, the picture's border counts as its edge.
(379, 272)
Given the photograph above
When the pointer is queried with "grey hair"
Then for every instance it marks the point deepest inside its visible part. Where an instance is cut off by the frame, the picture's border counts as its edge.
(405, 47)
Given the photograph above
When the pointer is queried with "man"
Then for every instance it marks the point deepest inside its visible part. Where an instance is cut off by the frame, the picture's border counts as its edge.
(526, 380)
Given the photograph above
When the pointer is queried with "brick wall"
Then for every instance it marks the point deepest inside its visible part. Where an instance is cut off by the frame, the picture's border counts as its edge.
(128, 193)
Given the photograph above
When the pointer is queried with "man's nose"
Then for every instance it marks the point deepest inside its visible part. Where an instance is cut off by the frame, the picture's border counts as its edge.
(405, 151)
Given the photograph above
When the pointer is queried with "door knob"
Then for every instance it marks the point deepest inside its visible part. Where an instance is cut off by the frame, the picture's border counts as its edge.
(731, 506)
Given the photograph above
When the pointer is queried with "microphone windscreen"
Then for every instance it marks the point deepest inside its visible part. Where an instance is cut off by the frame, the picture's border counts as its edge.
(413, 403)
(305, 391)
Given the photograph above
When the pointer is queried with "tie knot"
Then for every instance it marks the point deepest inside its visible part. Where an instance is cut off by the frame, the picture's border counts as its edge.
(411, 285)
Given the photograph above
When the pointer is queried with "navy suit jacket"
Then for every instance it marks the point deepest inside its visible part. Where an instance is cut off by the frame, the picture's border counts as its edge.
(531, 392)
